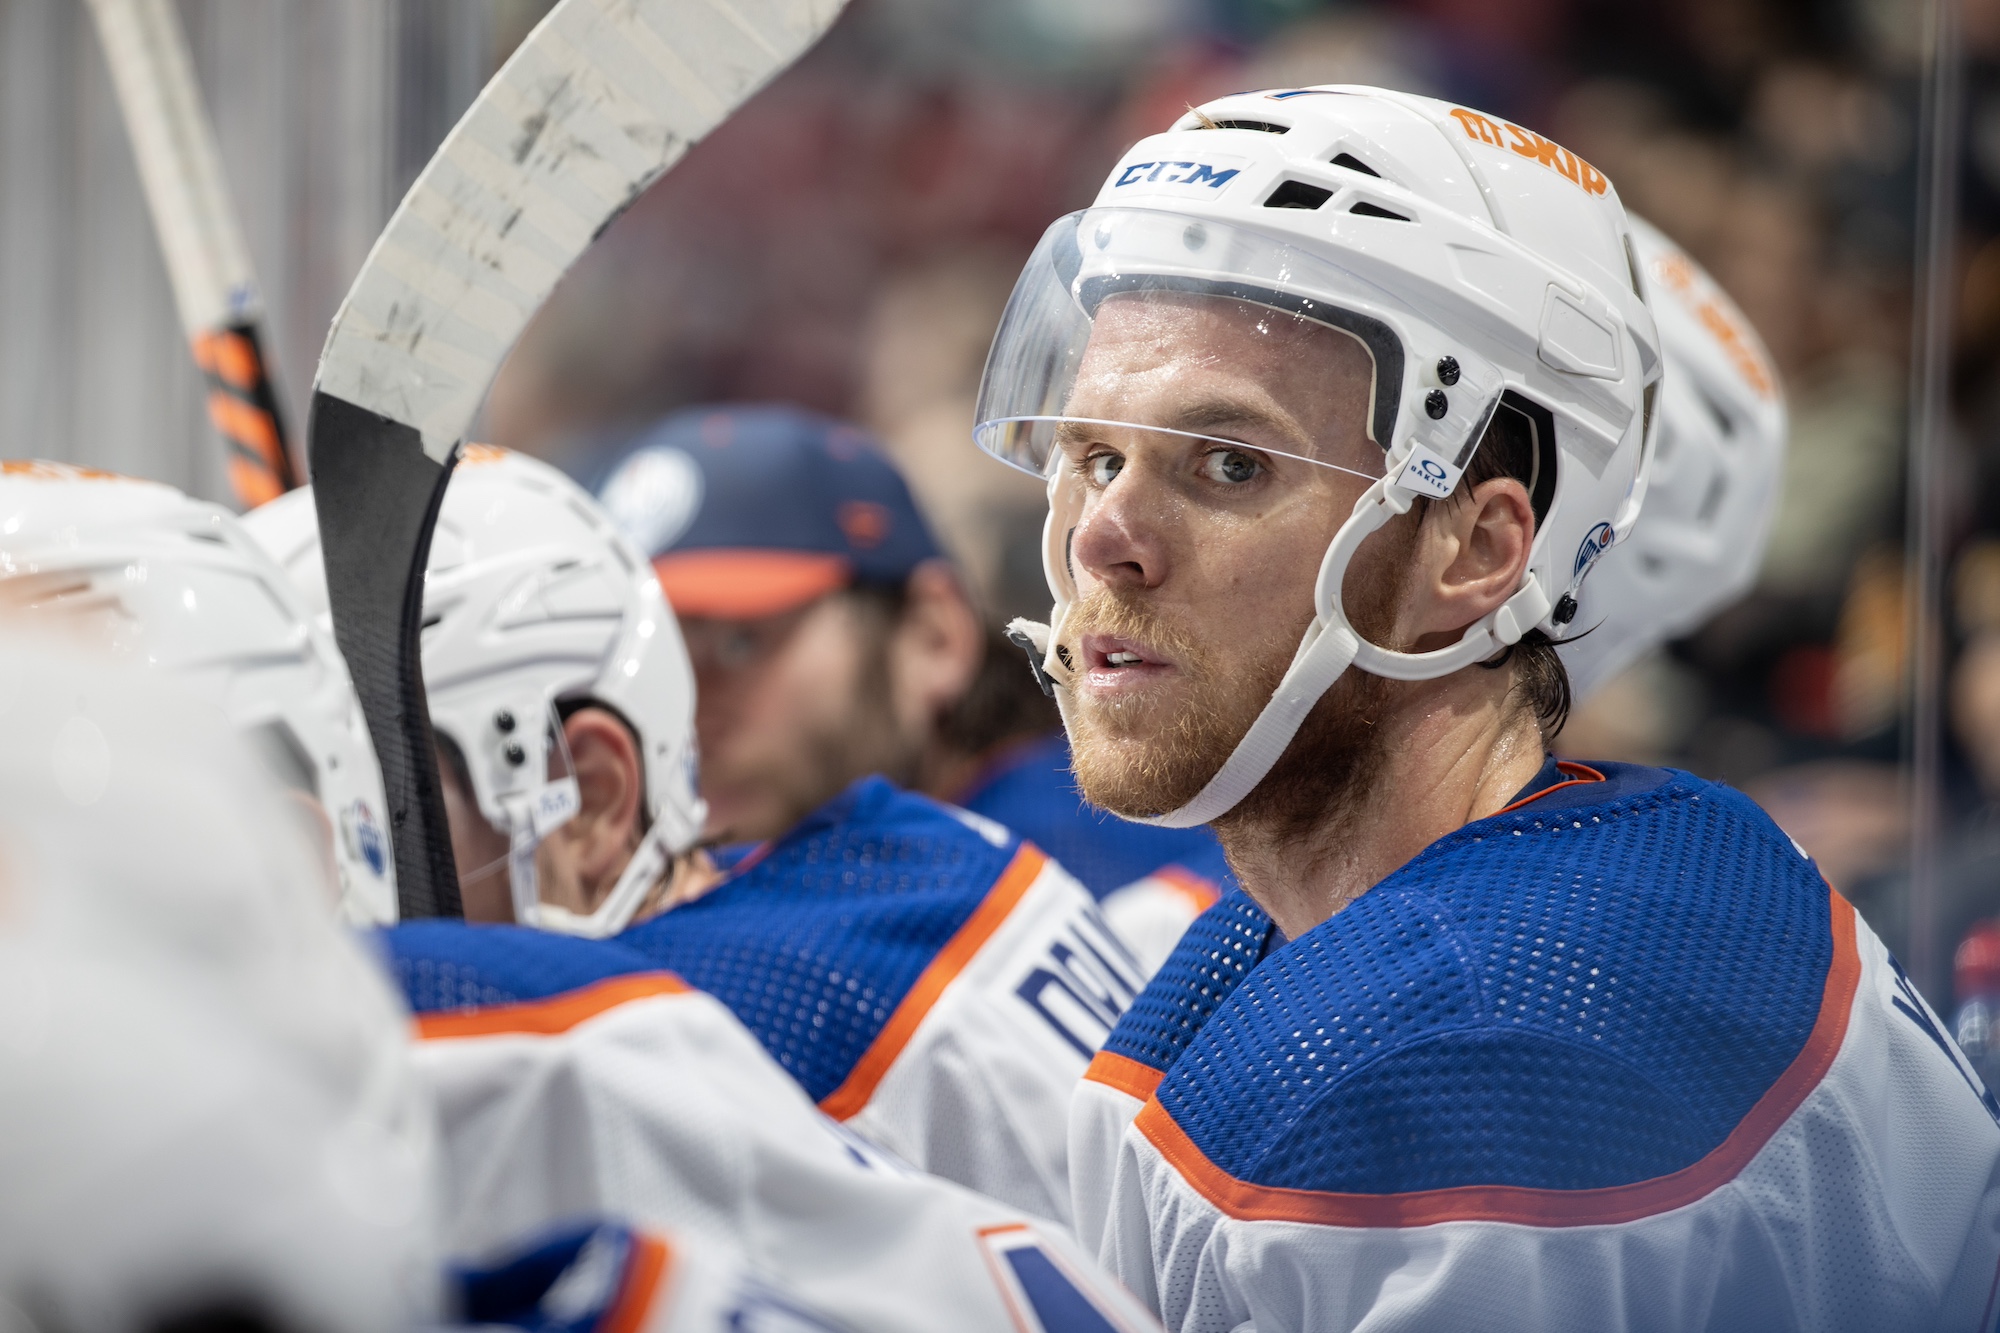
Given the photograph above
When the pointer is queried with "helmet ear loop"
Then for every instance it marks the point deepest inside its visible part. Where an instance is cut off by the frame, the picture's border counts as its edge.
(1498, 630)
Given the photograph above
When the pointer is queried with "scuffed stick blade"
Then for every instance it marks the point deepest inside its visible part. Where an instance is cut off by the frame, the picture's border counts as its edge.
(601, 99)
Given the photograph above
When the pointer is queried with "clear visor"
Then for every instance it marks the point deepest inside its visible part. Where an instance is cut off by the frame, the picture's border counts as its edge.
(1140, 321)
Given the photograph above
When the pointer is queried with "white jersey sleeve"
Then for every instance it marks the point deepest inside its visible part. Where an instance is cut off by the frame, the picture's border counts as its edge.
(637, 1098)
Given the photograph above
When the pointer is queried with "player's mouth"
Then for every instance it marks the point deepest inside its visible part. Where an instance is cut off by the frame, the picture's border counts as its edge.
(1112, 663)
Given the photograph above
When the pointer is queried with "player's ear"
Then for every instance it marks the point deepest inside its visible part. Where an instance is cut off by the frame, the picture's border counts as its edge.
(1472, 552)
(938, 645)
(609, 778)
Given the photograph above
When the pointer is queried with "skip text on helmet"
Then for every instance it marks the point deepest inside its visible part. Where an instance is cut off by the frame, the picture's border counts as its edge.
(1527, 143)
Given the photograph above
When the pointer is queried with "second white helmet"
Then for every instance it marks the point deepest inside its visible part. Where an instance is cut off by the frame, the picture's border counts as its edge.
(178, 586)
(533, 602)
(1713, 492)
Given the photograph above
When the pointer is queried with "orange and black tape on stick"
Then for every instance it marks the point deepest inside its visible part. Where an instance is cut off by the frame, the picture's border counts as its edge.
(244, 408)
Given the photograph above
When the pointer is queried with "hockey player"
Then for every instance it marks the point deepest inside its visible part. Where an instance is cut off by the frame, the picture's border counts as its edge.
(1709, 503)
(928, 978)
(1537, 1046)
(831, 639)
(177, 585)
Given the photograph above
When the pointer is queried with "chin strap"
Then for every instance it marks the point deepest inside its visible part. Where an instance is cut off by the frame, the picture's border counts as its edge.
(649, 861)
(532, 821)
(1329, 647)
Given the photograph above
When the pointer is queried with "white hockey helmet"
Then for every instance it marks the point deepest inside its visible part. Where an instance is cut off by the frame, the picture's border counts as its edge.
(206, 1095)
(534, 601)
(182, 588)
(1482, 267)
(1713, 492)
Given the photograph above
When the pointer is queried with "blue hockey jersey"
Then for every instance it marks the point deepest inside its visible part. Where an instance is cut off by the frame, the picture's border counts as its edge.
(1614, 1057)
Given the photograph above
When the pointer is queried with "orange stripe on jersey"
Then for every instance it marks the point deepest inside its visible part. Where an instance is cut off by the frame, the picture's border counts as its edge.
(1201, 892)
(645, 1272)
(1542, 1207)
(1125, 1074)
(846, 1101)
(1576, 773)
(558, 1013)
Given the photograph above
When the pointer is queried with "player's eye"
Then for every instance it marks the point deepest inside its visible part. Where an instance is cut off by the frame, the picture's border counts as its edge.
(1103, 468)
(1230, 467)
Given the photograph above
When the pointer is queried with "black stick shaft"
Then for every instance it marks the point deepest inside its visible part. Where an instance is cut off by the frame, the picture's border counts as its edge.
(377, 494)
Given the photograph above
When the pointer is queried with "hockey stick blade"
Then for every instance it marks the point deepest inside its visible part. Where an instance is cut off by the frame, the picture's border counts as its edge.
(600, 100)
(215, 288)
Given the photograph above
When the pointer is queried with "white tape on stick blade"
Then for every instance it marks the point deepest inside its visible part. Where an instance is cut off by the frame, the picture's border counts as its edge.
(600, 99)
(598, 102)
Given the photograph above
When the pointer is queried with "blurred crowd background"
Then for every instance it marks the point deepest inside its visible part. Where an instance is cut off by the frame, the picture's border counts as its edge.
(847, 243)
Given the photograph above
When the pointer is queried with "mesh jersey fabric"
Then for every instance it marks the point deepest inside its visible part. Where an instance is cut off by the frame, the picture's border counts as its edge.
(814, 941)
(1213, 957)
(444, 966)
(1033, 792)
(1589, 991)
(1218, 951)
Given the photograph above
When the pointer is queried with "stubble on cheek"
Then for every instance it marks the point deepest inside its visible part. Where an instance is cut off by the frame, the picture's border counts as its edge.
(1151, 753)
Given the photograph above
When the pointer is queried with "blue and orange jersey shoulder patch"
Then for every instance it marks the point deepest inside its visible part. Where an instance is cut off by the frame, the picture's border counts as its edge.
(830, 943)
(1612, 986)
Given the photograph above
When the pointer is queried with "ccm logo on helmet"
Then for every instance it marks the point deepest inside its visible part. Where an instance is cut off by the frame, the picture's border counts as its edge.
(1178, 173)
(1530, 144)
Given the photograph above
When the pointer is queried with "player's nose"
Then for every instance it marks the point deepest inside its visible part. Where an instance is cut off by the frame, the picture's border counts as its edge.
(1123, 538)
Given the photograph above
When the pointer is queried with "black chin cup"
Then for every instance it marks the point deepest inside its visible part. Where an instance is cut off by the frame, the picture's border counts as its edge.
(1020, 639)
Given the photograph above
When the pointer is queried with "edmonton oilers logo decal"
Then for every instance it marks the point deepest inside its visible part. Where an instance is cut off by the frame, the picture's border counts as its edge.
(1595, 543)
(364, 838)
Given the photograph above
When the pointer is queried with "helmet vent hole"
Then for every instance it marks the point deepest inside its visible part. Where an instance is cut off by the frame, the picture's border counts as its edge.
(1298, 194)
(1353, 163)
(1723, 421)
(1711, 502)
(1257, 126)
(1368, 210)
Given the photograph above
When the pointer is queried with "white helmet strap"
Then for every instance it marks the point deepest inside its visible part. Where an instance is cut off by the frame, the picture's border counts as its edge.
(649, 861)
(1330, 645)
(530, 819)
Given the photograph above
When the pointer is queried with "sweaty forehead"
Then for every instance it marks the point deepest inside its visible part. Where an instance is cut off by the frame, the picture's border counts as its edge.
(1202, 363)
